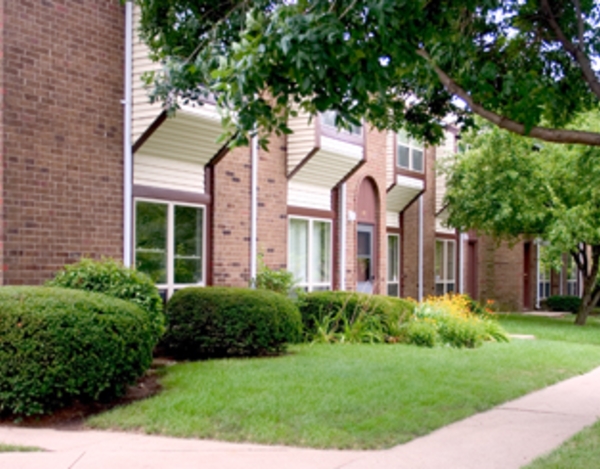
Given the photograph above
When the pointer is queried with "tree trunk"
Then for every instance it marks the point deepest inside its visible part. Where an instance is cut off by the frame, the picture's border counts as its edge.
(591, 291)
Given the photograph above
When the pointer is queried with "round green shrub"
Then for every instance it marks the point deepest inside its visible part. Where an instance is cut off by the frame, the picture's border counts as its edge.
(57, 345)
(114, 279)
(224, 322)
(566, 303)
(316, 306)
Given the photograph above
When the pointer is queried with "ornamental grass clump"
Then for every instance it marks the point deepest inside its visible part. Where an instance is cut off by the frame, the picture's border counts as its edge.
(350, 317)
(455, 322)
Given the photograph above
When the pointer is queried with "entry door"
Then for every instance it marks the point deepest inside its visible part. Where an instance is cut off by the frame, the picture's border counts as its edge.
(365, 272)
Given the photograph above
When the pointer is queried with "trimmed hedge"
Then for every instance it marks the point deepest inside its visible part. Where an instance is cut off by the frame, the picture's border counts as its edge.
(224, 322)
(114, 279)
(315, 306)
(563, 303)
(57, 345)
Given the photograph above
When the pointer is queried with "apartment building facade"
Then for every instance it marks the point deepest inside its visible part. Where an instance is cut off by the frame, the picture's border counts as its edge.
(353, 210)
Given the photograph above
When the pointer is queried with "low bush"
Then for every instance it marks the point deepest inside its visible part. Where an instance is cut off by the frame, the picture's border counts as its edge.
(57, 345)
(112, 278)
(421, 332)
(457, 324)
(279, 281)
(223, 322)
(327, 313)
(566, 303)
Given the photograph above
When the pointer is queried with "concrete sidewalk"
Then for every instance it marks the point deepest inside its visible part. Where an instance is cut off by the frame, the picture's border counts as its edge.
(508, 436)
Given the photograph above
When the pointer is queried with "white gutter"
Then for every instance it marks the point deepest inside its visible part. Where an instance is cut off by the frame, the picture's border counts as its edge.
(420, 280)
(127, 147)
(253, 210)
(343, 228)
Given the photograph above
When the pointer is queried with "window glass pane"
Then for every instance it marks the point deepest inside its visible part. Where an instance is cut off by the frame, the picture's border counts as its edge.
(298, 249)
(403, 137)
(151, 240)
(364, 243)
(403, 159)
(356, 129)
(449, 288)
(328, 118)
(417, 160)
(321, 255)
(321, 288)
(450, 261)
(439, 289)
(187, 246)
(439, 257)
(393, 255)
(393, 289)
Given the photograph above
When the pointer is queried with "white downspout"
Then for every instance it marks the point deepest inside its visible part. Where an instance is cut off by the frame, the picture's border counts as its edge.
(127, 147)
(253, 211)
(420, 279)
(343, 228)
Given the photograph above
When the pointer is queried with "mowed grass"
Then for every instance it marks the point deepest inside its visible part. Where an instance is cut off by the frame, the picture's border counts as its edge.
(560, 329)
(580, 452)
(356, 396)
(4, 448)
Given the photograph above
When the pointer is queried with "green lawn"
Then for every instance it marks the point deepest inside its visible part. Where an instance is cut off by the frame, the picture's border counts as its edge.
(357, 396)
(580, 452)
(13, 449)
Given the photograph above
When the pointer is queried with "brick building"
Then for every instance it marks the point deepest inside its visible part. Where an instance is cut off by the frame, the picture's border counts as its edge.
(357, 210)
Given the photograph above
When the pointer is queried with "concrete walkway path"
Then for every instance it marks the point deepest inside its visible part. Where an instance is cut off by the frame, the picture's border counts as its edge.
(508, 436)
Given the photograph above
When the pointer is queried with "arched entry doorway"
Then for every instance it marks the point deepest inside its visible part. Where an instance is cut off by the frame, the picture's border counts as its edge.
(366, 237)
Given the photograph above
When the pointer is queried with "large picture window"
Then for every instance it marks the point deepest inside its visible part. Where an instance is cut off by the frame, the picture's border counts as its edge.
(409, 153)
(169, 243)
(445, 254)
(309, 253)
(393, 265)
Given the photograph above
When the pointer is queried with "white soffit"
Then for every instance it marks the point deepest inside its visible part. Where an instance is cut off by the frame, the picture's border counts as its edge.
(403, 192)
(190, 135)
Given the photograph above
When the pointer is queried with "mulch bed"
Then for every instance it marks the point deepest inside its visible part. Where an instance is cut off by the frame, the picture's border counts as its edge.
(73, 417)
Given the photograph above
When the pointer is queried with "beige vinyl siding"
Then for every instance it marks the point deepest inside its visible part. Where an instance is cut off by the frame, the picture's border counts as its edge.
(309, 196)
(168, 173)
(144, 113)
(301, 142)
(390, 159)
(443, 152)
(392, 219)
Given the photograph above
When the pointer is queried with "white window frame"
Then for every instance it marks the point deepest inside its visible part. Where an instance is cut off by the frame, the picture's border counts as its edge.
(397, 280)
(356, 131)
(444, 280)
(170, 286)
(572, 287)
(411, 144)
(544, 282)
(309, 285)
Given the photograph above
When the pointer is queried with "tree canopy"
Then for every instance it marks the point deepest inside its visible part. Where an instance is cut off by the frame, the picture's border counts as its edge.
(506, 187)
(525, 65)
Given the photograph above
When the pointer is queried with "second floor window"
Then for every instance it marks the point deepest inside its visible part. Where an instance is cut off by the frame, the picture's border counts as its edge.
(328, 119)
(409, 153)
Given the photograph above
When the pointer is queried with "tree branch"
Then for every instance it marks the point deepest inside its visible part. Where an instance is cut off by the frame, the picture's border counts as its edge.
(542, 133)
(576, 51)
(579, 21)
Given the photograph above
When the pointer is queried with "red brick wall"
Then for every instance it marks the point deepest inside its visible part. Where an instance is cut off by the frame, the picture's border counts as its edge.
(272, 204)
(231, 225)
(410, 256)
(62, 82)
(374, 168)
